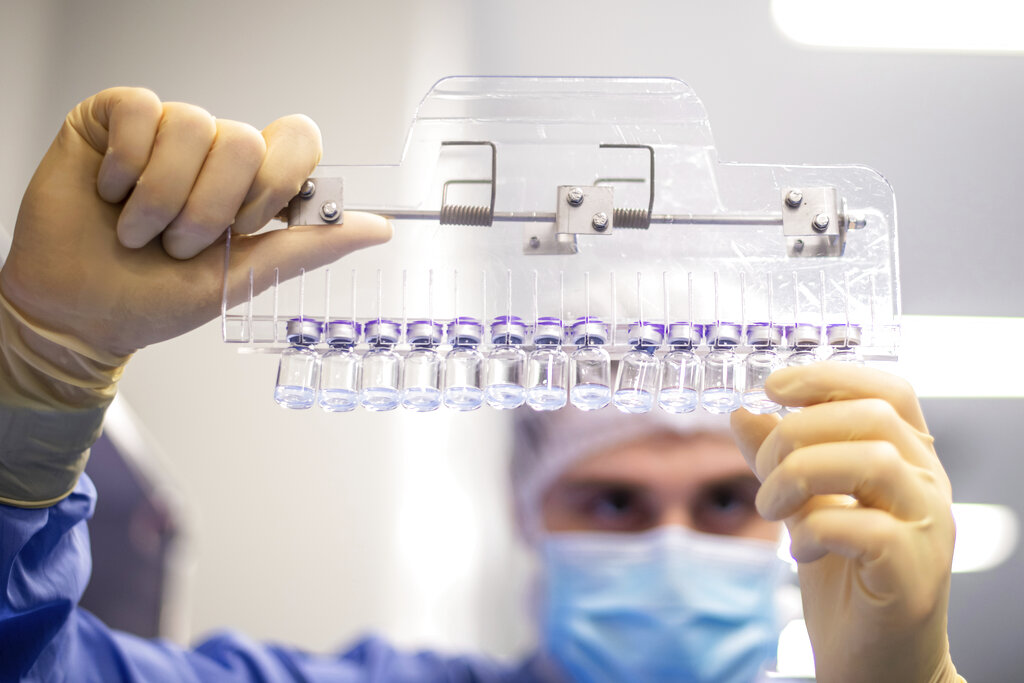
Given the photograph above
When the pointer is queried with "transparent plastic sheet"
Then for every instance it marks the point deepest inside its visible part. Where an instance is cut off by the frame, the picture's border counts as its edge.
(715, 250)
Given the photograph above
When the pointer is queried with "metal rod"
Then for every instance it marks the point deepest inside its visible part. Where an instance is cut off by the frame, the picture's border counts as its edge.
(542, 217)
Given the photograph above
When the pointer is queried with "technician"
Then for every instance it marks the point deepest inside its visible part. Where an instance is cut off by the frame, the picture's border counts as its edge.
(654, 565)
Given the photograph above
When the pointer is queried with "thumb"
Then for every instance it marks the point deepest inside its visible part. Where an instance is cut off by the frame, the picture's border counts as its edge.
(293, 249)
(750, 431)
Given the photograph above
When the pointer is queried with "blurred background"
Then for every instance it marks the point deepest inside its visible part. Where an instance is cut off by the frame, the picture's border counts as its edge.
(313, 529)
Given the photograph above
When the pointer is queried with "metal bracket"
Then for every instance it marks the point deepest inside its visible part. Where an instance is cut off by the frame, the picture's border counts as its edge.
(319, 202)
(579, 210)
(812, 222)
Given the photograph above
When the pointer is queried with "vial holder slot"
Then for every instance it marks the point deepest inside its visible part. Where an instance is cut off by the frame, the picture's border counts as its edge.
(593, 203)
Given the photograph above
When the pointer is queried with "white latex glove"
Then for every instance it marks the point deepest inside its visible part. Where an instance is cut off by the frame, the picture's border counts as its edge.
(118, 242)
(868, 505)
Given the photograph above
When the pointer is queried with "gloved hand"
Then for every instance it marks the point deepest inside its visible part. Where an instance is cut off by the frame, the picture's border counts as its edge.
(118, 242)
(868, 506)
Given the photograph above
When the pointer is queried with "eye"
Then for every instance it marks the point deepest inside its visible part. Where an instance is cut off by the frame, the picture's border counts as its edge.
(617, 508)
(726, 507)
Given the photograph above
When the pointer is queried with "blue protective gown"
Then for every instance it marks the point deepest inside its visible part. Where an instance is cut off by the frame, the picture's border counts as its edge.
(45, 636)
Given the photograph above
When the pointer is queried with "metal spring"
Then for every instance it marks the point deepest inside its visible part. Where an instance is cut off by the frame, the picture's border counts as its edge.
(464, 214)
(631, 218)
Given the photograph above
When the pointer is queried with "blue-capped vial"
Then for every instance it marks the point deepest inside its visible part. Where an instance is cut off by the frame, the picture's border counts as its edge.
(681, 369)
(382, 367)
(590, 366)
(547, 366)
(505, 364)
(762, 361)
(339, 367)
(463, 366)
(636, 385)
(845, 341)
(720, 392)
(421, 377)
(299, 366)
(804, 338)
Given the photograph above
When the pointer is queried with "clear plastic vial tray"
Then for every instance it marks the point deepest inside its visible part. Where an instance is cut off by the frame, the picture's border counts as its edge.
(601, 198)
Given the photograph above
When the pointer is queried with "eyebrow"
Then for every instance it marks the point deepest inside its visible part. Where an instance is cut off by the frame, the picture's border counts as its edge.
(623, 481)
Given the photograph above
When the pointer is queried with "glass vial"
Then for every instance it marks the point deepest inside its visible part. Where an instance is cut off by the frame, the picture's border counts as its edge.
(804, 338)
(463, 366)
(382, 367)
(505, 364)
(590, 366)
(720, 393)
(681, 369)
(636, 385)
(547, 366)
(765, 339)
(297, 371)
(844, 340)
(421, 377)
(339, 367)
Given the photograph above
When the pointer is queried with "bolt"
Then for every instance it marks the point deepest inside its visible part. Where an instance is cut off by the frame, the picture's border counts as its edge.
(329, 211)
(820, 222)
(794, 198)
(307, 189)
(600, 221)
(575, 196)
(534, 242)
(798, 246)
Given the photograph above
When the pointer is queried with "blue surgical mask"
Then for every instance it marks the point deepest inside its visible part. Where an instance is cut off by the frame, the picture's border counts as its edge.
(668, 604)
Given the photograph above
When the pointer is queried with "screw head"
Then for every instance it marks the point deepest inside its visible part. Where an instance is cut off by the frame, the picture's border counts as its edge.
(534, 242)
(575, 196)
(600, 221)
(329, 211)
(794, 198)
(820, 222)
(798, 247)
(307, 189)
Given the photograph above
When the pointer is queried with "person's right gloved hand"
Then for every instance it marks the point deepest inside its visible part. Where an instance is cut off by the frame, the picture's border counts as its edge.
(118, 243)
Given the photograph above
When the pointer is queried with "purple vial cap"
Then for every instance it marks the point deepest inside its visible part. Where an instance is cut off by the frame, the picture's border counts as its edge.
(843, 335)
(548, 330)
(342, 331)
(381, 331)
(424, 332)
(508, 329)
(764, 335)
(303, 331)
(589, 330)
(645, 333)
(465, 330)
(684, 334)
(723, 335)
(805, 335)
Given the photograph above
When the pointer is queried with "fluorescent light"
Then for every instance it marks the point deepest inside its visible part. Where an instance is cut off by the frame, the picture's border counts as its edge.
(986, 536)
(929, 25)
(795, 658)
(938, 369)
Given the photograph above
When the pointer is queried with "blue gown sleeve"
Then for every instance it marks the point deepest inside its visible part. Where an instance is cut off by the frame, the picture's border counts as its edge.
(44, 636)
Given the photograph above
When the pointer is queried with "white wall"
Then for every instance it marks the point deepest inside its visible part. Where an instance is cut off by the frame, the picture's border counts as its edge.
(313, 528)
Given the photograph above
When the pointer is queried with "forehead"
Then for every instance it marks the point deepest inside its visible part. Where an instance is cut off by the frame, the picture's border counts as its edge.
(661, 458)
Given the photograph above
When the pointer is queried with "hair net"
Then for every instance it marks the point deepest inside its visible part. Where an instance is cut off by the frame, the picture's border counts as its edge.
(545, 444)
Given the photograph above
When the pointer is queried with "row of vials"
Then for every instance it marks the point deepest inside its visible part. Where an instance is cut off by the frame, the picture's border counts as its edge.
(546, 377)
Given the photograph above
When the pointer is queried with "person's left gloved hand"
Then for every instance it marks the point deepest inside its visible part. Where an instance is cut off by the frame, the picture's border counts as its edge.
(868, 506)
